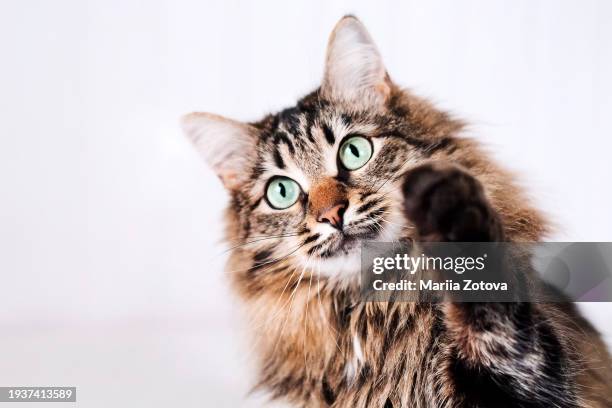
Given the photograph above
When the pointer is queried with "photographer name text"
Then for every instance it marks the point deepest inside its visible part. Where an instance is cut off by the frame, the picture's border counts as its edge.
(431, 285)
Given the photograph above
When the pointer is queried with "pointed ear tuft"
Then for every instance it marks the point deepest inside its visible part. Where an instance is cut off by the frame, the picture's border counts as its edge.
(227, 146)
(354, 71)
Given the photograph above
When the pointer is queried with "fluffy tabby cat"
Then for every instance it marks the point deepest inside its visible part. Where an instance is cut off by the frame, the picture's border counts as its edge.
(362, 159)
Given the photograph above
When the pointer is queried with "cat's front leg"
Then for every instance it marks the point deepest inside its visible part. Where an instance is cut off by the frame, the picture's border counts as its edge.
(503, 354)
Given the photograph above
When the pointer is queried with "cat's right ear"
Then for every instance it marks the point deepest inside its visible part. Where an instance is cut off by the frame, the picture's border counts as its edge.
(228, 146)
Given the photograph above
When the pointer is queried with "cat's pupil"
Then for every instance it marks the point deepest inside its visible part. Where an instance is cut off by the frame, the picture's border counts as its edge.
(354, 150)
(282, 189)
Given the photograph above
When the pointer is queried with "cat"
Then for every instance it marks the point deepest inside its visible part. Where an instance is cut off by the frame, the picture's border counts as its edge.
(360, 159)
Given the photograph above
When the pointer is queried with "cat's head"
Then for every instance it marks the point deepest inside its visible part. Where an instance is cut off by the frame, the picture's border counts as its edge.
(310, 182)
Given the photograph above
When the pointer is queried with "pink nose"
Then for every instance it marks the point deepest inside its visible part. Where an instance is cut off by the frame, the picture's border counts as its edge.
(333, 215)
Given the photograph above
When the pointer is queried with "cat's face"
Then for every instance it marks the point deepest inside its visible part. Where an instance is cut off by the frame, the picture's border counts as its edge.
(313, 181)
(323, 178)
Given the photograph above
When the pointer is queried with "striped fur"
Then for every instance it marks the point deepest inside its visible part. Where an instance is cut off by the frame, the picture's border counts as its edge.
(317, 344)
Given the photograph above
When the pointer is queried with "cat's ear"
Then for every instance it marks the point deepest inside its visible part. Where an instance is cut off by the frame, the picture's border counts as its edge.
(354, 71)
(227, 146)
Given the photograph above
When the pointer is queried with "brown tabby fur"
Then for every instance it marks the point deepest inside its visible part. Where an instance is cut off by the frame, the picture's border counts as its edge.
(318, 345)
(304, 349)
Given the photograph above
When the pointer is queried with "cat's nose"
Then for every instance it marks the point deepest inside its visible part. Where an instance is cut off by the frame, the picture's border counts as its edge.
(333, 216)
(328, 200)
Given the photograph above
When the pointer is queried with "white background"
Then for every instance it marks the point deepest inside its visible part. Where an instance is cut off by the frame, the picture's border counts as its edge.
(110, 261)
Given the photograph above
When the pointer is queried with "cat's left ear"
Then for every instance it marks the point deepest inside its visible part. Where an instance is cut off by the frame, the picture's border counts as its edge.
(228, 146)
(354, 71)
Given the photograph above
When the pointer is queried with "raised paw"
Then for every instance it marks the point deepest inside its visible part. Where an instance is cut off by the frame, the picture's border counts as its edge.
(446, 203)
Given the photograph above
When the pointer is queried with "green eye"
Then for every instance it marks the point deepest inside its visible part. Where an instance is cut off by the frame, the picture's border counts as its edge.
(282, 192)
(355, 152)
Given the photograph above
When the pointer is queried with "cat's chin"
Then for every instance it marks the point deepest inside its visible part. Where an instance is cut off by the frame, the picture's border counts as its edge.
(343, 264)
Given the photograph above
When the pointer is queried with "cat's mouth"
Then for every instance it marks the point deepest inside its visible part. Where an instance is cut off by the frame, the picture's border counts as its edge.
(339, 254)
(346, 243)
